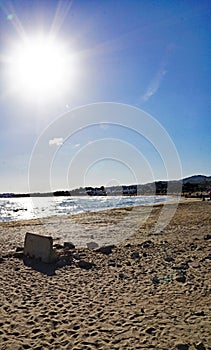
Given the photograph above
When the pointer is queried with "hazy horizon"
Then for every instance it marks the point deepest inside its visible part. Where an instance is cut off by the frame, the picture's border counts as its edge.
(99, 185)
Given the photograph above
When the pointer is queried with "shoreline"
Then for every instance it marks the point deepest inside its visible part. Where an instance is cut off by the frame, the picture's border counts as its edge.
(173, 201)
(81, 228)
(65, 227)
(151, 291)
(26, 212)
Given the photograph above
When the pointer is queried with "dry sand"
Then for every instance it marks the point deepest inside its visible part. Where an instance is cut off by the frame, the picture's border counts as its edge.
(151, 292)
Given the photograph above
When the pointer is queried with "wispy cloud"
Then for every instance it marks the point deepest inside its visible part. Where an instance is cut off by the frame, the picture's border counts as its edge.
(57, 141)
(154, 84)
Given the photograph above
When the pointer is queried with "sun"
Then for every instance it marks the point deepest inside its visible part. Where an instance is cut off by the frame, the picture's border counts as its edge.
(41, 68)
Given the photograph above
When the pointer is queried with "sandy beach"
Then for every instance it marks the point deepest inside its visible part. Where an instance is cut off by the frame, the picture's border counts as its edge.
(150, 291)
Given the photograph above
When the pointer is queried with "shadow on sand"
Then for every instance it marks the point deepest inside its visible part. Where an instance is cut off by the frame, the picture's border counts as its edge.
(46, 269)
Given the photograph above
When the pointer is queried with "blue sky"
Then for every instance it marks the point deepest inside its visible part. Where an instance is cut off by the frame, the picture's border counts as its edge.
(152, 55)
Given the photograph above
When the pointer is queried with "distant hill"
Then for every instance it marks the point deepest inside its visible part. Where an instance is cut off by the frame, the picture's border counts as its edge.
(191, 184)
(196, 179)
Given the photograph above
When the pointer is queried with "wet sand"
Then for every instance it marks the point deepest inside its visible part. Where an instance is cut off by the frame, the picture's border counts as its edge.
(151, 292)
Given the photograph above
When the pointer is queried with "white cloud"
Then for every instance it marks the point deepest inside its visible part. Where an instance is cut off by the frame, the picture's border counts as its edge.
(58, 141)
(154, 84)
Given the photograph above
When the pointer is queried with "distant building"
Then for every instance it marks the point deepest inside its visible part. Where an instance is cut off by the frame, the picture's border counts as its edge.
(130, 190)
(161, 187)
(96, 191)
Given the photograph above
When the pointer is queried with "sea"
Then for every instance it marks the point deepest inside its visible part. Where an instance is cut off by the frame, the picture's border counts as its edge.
(14, 209)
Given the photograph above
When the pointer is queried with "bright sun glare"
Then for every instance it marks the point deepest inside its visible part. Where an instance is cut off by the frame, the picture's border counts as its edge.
(41, 68)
